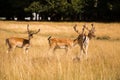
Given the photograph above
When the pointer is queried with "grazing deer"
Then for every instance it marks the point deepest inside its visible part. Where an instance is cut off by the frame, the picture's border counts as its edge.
(83, 39)
(14, 42)
(61, 43)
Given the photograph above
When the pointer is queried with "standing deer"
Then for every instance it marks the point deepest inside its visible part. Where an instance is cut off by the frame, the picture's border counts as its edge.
(61, 43)
(64, 43)
(14, 42)
(83, 39)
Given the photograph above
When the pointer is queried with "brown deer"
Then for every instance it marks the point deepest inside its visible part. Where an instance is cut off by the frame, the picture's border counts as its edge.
(83, 38)
(14, 42)
(61, 43)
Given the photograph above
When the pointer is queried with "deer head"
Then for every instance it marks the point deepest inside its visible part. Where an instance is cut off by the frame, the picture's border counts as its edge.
(30, 34)
(91, 32)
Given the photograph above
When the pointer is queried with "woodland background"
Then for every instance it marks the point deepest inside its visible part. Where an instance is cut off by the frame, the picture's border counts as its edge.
(61, 10)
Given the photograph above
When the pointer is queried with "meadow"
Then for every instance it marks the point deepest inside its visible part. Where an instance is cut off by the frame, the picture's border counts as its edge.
(103, 61)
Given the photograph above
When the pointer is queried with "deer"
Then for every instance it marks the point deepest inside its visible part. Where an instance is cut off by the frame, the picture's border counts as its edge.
(61, 43)
(23, 43)
(83, 38)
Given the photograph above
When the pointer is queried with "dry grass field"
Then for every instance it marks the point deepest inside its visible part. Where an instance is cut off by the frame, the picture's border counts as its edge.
(103, 61)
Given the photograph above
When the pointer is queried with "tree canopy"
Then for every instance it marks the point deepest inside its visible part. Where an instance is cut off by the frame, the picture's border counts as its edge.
(62, 10)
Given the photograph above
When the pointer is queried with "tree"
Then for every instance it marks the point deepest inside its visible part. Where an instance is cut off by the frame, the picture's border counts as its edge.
(33, 8)
(14, 8)
(114, 7)
(77, 6)
(88, 10)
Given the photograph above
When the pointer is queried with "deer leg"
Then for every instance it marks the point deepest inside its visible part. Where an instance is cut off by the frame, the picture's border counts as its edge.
(81, 51)
(54, 49)
(13, 48)
(86, 56)
(51, 47)
(50, 50)
(66, 50)
(85, 49)
(9, 49)
(25, 49)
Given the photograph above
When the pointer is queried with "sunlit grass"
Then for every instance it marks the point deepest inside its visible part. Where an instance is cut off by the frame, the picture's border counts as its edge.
(103, 61)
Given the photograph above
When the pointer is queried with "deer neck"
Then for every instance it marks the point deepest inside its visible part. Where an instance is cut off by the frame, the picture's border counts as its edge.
(29, 39)
(90, 36)
(75, 42)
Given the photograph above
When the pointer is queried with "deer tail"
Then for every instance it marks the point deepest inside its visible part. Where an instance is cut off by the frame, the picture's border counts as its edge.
(6, 41)
(49, 37)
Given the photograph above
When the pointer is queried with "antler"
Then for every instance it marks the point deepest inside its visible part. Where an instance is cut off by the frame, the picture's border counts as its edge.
(93, 28)
(76, 29)
(37, 31)
(92, 25)
(83, 29)
(84, 26)
(30, 31)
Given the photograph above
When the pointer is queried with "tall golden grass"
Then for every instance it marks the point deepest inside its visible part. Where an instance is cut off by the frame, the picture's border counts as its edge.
(103, 61)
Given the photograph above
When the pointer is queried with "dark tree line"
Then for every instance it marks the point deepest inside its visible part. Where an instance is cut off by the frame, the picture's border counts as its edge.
(61, 10)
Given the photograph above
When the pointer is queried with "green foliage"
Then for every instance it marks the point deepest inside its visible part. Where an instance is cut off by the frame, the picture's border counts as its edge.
(77, 6)
(116, 6)
(34, 7)
(66, 9)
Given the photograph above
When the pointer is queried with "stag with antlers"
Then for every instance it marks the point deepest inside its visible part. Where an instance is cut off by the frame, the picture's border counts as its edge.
(83, 38)
(14, 42)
